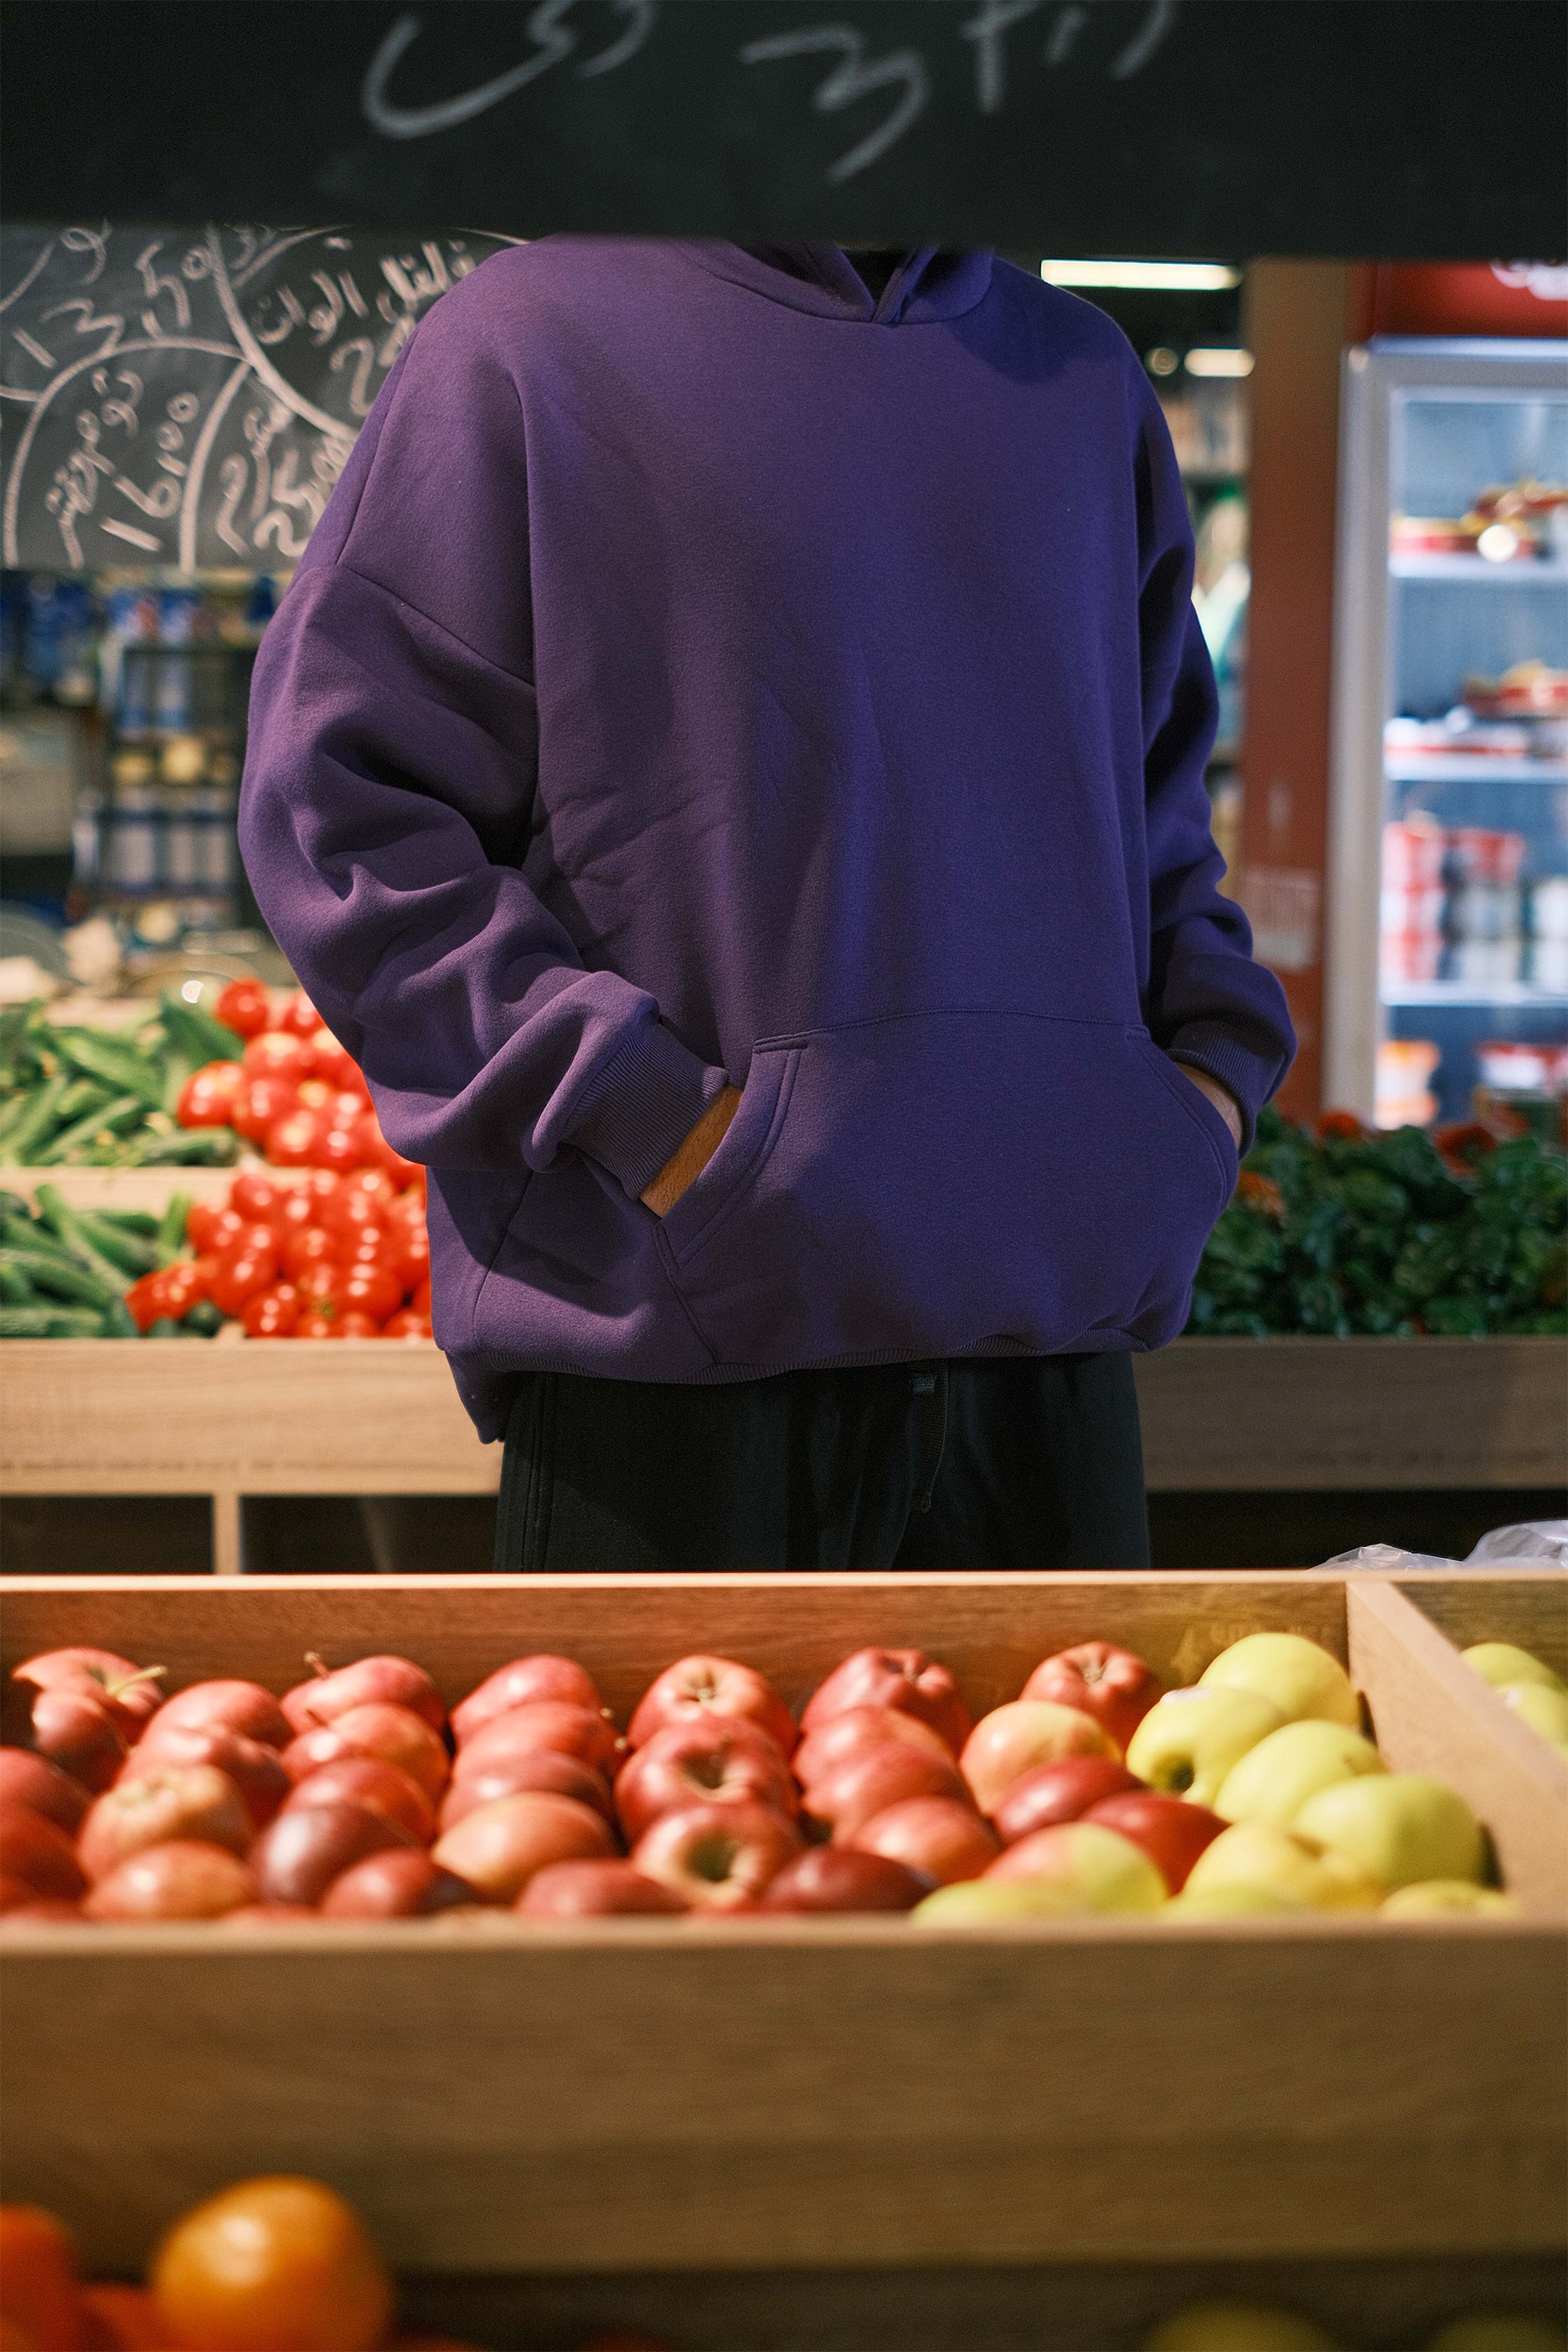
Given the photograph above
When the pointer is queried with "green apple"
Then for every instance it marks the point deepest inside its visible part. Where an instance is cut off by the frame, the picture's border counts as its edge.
(1237, 2327)
(1400, 1827)
(1499, 2331)
(1442, 1898)
(1304, 1681)
(985, 1902)
(1189, 1739)
(1500, 1663)
(1229, 1902)
(1085, 1867)
(1274, 1779)
(1256, 1854)
(1545, 1711)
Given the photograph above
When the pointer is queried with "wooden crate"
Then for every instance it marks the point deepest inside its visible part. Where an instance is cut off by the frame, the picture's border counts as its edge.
(661, 2095)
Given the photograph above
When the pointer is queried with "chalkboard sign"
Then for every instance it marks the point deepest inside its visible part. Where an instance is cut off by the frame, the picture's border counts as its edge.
(189, 401)
(1386, 128)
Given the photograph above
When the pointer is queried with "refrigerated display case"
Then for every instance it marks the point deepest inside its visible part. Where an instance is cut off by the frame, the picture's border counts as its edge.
(1447, 931)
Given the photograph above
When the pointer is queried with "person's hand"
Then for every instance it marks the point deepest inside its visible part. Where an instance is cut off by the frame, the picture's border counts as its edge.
(1224, 1101)
(687, 1164)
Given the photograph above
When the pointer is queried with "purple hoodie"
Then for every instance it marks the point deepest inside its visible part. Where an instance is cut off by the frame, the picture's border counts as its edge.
(703, 671)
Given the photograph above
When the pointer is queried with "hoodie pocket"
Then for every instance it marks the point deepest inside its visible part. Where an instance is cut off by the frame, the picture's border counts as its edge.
(932, 1183)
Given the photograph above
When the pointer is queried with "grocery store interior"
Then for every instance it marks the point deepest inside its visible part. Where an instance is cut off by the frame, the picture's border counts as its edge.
(397, 1955)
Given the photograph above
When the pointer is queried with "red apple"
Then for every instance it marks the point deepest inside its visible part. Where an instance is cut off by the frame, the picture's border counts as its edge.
(182, 1879)
(535, 1768)
(595, 1890)
(19, 1894)
(1171, 1832)
(854, 1791)
(905, 1680)
(256, 1769)
(397, 1884)
(393, 1733)
(240, 1707)
(839, 1878)
(189, 1802)
(698, 1686)
(298, 1858)
(130, 1692)
(1062, 1791)
(719, 1760)
(1011, 1739)
(517, 1684)
(270, 1915)
(32, 1780)
(552, 1723)
(384, 1787)
(940, 1836)
(499, 1846)
(38, 1852)
(718, 1856)
(1116, 1686)
(369, 1681)
(856, 1729)
(37, 1910)
(78, 1733)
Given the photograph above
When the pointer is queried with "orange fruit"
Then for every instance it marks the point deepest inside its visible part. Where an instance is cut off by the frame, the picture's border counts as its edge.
(126, 2319)
(275, 2264)
(40, 2299)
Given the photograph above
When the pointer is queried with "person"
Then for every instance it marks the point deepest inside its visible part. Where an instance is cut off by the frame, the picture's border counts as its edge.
(729, 764)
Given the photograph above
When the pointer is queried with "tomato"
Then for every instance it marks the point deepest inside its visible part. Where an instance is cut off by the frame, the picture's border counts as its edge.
(260, 1103)
(315, 1094)
(407, 1324)
(415, 1258)
(420, 1302)
(250, 1266)
(244, 1007)
(277, 1054)
(206, 1098)
(291, 1142)
(208, 1227)
(299, 1018)
(355, 1324)
(126, 2318)
(320, 1282)
(371, 1290)
(320, 1323)
(337, 1066)
(350, 1209)
(257, 1198)
(40, 2294)
(373, 1184)
(272, 1313)
(305, 1245)
(339, 1148)
(383, 1154)
(269, 2263)
(172, 1291)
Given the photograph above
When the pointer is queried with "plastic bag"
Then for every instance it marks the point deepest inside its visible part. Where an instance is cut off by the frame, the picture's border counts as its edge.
(1386, 1557)
(1541, 1542)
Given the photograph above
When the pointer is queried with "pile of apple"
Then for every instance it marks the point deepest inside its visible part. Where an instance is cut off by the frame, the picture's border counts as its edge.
(355, 1796)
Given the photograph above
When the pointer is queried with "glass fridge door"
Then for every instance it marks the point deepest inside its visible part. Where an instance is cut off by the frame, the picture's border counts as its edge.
(1447, 963)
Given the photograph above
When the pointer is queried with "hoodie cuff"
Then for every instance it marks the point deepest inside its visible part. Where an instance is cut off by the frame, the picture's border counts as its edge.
(642, 1105)
(1251, 1078)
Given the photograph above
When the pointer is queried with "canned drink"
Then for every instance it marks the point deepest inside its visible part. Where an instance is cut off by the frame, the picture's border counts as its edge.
(132, 857)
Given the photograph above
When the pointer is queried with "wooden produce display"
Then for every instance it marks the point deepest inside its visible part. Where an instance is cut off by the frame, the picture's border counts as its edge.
(365, 1417)
(510, 2100)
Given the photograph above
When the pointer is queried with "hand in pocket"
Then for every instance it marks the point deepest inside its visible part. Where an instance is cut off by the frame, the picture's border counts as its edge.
(684, 1166)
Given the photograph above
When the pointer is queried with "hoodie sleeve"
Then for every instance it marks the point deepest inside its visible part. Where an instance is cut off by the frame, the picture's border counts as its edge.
(1208, 1002)
(389, 792)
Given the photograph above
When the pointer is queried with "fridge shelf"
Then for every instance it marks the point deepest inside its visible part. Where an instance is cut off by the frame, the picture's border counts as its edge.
(1464, 767)
(1534, 570)
(1464, 991)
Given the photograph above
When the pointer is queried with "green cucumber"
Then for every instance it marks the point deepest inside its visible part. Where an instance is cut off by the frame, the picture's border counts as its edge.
(205, 1320)
(189, 1146)
(42, 1117)
(121, 1249)
(60, 1281)
(117, 1116)
(170, 1238)
(119, 1323)
(16, 1289)
(49, 1323)
(195, 1035)
(116, 1064)
(63, 1221)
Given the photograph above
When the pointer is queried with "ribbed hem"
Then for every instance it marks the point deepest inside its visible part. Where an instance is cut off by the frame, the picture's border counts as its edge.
(643, 1104)
(1251, 1077)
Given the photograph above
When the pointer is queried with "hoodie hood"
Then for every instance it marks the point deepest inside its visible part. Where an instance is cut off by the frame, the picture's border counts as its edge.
(930, 282)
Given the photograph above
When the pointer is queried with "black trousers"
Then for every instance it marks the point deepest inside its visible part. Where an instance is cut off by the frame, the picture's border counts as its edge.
(1009, 1462)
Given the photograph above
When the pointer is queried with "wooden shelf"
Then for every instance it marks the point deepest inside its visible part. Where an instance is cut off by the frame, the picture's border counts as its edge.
(367, 1417)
